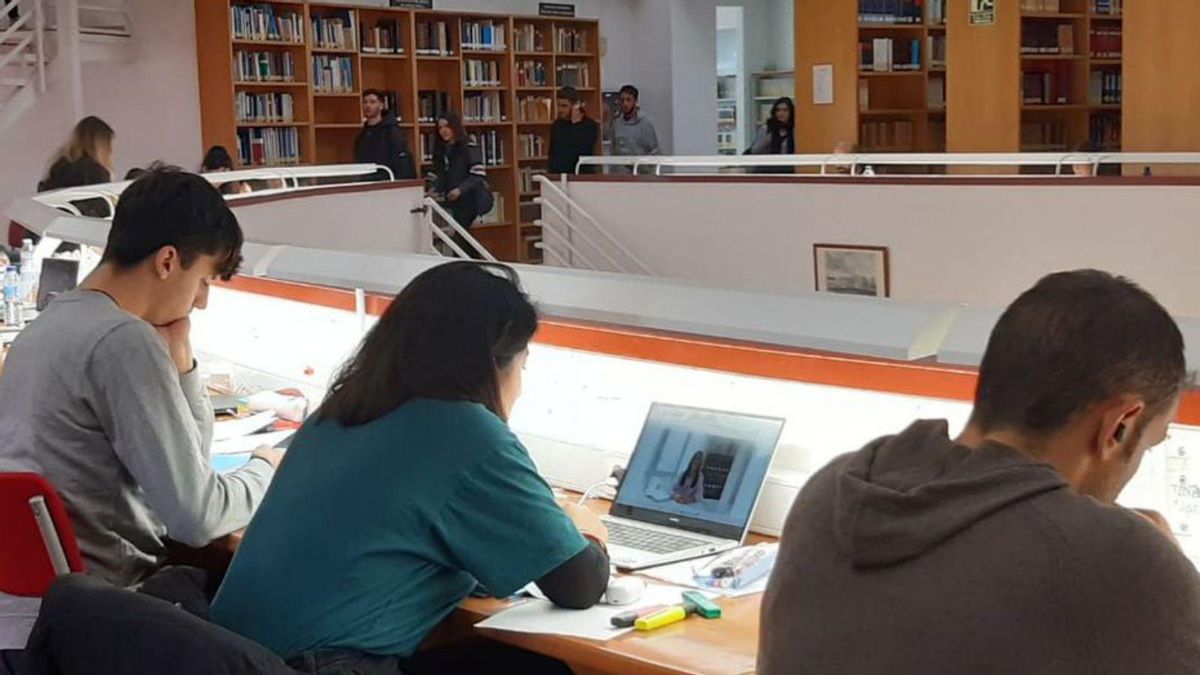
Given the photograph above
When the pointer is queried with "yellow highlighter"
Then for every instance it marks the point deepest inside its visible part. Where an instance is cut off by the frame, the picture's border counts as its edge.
(665, 617)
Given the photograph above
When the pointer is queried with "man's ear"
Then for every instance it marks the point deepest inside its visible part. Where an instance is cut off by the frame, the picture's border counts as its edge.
(166, 261)
(1117, 420)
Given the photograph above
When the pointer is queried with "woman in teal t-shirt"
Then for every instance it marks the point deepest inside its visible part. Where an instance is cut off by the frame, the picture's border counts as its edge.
(406, 490)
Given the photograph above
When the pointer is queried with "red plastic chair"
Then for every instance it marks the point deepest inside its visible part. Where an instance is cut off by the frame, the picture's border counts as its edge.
(39, 542)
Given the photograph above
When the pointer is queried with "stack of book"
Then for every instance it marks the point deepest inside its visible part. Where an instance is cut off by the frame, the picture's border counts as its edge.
(496, 215)
(1041, 6)
(575, 74)
(1047, 38)
(483, 106)
(483, 35)
(268, 147)
(1045, 135)
(935, 12)
(531, 74)
(529, 38)
(491, 148)
(535, 109)
(272, 107)
(263, 67)
(261, 22)
(571, 41)
(385, 38)
(887, 55)
(1106, 131)
(431, 105)
(1107, 43)
(1106, 87)
(433, 39)
(532, 146)
(332, 74)
(937, 51)
(888, 136)
(1046, 87)
(890, 11)
(335, 31)
(480, 73)
(1112, 7)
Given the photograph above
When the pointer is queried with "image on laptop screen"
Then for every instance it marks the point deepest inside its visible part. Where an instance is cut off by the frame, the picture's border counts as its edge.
(695, 466)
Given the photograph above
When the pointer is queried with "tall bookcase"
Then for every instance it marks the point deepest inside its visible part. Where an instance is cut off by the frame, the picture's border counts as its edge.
(500, 71)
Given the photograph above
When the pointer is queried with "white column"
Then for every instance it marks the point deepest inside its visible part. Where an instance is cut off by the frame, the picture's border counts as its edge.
(69, 54)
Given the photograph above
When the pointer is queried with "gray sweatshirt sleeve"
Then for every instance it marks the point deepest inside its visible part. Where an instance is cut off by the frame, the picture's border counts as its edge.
(762, 142)
(160, 427)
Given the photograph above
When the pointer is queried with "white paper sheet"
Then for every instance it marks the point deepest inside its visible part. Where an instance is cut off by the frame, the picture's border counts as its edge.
(683, 574)
(244, 444)
(227, 429)
(542, 617)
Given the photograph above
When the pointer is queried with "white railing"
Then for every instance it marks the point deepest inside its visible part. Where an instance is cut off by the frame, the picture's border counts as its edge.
(24, 39)
(432, 208)
(856, 164)
(568, 224)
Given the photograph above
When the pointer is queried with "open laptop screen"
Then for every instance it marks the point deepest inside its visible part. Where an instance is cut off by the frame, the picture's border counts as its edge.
(699, 470)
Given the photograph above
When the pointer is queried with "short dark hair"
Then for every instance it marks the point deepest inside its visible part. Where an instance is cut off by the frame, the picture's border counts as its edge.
(170, 207)
(631, 90)
(569, 93)
(216, 158)
(135, 173)
(443, 337)
(377, 93)
(1073, 340)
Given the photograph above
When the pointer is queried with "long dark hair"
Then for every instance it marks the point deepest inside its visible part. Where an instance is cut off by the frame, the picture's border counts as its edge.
(774, 128)
(692, 473)
(454, 121)
(443, 337)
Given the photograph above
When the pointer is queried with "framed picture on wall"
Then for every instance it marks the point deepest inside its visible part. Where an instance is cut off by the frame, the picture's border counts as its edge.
(852, 270)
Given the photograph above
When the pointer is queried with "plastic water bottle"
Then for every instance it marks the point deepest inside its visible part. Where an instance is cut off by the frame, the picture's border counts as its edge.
(13, 315)
(30, 270)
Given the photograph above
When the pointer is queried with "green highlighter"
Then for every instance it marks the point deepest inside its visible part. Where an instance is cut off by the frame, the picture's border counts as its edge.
(697, 602)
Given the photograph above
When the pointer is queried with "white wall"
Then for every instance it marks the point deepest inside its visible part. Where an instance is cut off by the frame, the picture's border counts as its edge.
(981, 245)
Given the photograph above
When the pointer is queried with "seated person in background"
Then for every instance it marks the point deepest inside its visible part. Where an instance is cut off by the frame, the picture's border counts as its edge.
(381, 141)
(1002, 551)
(218, 160)
(777, 136)
(406, 489)
(101, 395)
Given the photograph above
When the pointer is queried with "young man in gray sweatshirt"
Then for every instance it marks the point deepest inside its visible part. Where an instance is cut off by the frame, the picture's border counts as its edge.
(1002, 551)
(101, 394)
(632, 133)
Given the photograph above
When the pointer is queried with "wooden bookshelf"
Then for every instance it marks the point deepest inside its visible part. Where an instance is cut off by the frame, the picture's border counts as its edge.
(327, 122)
(880, 105)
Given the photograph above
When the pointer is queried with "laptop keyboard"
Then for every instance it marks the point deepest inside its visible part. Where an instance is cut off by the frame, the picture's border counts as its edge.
(653, 541)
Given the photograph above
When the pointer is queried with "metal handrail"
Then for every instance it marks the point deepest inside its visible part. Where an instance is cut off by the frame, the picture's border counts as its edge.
(562, 217)
(825, 162)
(566, 244)
(559, 193)
(436, 208)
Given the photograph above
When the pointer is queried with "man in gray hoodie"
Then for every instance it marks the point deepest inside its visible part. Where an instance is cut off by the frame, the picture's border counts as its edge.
(632, 133)
(1002, 551)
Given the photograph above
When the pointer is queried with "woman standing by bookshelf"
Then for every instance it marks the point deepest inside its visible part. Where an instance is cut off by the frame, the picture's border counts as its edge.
(86, 159)
(460, 181)
(778, 135)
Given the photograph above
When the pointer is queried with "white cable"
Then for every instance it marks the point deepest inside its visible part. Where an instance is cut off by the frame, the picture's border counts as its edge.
(611, 481)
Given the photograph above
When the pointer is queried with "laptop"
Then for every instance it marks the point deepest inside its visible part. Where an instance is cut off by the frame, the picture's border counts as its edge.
(58, 276)
(691, 485)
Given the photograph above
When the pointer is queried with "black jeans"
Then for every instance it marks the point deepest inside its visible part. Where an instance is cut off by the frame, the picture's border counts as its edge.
(465, 214)
(466, 658)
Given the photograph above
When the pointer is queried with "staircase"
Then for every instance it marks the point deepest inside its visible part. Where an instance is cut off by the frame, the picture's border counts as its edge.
(31, 40)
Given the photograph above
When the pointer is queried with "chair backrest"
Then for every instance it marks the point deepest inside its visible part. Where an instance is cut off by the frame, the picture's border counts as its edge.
(39, 542)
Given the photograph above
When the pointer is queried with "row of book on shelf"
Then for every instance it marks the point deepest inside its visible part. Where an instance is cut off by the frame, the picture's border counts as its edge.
(263, 22)
(888, 55)
(1105, 130)
(1105, 87)
(1046, 87)
(263, 67)
(531, 146)
(484, 35)
(259, 147)
(481, 73)
(433, 38)
(529, 38)
(530, 186)
(935, 94)
(384, 38)
(571, 40)
(337, 30)
(490, 144)
(1107, 43)
(483, 106)
(575, 74)
(531, 74)
(332, 74)
(269, 107)
(1041, 6)
(535, 109)
(1107, 6)
(886, 135)
(431, 105)
(1048, 38)
(894, 11)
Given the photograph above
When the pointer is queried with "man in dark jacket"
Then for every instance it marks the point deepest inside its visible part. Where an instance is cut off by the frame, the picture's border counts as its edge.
(381, 141)
(1003, 551)
(573, 134)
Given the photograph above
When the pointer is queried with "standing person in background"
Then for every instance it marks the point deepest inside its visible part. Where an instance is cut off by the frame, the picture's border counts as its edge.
(632, 133)
(777, 136)
(573, 134)
(460, 180)
(381, 141)
(86, 159)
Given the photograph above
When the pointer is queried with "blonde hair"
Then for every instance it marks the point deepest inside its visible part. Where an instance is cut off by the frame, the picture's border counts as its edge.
(91, 137)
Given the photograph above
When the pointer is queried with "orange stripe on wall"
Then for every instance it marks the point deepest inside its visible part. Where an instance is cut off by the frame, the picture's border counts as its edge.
(720, 354)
